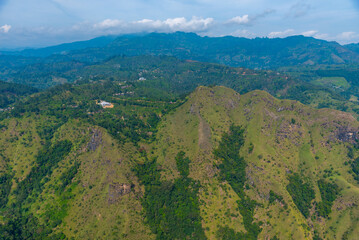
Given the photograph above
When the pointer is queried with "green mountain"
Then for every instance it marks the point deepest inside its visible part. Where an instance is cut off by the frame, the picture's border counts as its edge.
(213, 165)
(260, 53)
(293, 165)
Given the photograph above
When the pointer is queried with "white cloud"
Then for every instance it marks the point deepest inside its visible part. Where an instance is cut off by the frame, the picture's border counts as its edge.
(108, 23)
(243, 33)
(249, 20)
(194, 24)
(240, 20)
(169, 25)
(5, 29)
(299, 9)
(323, 36)
(345, 36)
(285, 33)
(310, 33)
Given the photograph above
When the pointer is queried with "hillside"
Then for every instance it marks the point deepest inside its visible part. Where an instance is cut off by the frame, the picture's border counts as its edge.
(282, 138)
(87, 192)
(289, 172)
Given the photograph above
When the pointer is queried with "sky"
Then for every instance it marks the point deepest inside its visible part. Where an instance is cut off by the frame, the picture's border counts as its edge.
(38, 23)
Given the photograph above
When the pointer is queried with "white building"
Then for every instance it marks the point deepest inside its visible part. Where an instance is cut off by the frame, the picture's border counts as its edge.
(105, 104)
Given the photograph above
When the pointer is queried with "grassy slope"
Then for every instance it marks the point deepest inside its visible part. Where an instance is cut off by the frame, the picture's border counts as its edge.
(334, 82)
(102, 202)
(281, 145)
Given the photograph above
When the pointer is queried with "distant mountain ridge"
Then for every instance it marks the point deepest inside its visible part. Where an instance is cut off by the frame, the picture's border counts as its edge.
(261, 53)
(62, 48)
(353, 47)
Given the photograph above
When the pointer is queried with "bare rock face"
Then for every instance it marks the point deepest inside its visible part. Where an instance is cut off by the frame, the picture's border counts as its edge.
(96, 140)
(347, 134)
(116, 190)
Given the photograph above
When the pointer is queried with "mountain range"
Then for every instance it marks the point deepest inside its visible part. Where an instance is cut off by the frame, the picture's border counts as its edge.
(261, 53)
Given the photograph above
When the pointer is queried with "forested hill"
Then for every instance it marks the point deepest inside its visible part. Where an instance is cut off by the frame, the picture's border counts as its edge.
(10, 92)
(262, 53)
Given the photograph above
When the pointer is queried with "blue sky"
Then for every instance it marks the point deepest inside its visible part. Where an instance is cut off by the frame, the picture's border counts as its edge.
(35, 23)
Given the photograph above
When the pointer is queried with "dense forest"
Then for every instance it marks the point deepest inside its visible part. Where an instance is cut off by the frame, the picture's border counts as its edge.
(10, 92)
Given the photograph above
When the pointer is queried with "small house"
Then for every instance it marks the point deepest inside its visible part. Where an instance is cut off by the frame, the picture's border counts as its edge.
(105, 104)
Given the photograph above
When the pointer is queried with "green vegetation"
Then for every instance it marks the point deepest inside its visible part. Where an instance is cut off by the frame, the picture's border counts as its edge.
(183, 164)
(275, 197)
(68, 175)
(334, 82)
(168, 78)
(10, 92)
(5, 187)
(328, 192)
(233, 167)
(302, 193)
(172, 209)
(226, 233)
(132, 119)
(47, 160)
(355, 168)
(233, 170)
(20, 223)
(336, 86)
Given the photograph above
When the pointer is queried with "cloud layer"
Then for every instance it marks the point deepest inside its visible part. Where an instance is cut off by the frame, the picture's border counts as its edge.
(195, 24)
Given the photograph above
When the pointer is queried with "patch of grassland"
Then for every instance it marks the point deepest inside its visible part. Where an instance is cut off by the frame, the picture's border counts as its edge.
(334, 82)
